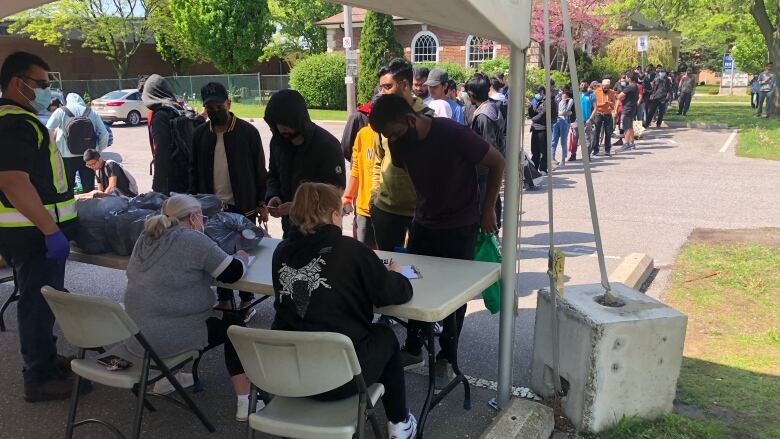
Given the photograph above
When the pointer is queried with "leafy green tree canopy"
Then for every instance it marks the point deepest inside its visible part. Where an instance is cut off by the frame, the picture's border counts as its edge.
(377, 46)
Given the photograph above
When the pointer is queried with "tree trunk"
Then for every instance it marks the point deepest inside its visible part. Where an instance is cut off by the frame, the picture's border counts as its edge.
(774, 56)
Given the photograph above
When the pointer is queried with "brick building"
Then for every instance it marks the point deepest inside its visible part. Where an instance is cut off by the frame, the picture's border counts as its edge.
(424, 43)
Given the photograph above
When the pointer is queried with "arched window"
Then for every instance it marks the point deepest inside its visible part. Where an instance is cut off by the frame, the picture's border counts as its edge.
(425, 47)
(479, 49)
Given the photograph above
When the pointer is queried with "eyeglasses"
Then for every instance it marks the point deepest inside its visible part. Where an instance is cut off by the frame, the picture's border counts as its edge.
(42, 83)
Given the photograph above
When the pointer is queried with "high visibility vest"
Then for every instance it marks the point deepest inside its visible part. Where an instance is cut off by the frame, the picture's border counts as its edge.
(60, 211)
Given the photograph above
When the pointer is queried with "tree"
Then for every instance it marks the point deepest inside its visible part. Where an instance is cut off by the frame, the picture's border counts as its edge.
(749, 51)
(115, 29)
(622, 53)
(169, 43)
(377, 46)
(297, 22)
(231, 34)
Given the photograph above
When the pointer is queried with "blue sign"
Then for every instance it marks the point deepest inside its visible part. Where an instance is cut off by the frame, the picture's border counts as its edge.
(728, 62)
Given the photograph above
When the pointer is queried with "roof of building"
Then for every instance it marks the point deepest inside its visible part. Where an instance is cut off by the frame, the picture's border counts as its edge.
(358, 16)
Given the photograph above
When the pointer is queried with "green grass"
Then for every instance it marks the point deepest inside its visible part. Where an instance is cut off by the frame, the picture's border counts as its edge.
(699, 98)
(255, 111)
(758, 138)
(708, 89)
(671, 426)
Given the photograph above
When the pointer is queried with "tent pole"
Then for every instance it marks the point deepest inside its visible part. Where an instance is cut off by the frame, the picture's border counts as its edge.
(512, 187)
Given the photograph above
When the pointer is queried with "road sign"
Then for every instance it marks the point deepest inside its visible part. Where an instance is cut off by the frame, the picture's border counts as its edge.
(728, 63)
(641, 43)
(350, 54)
(346, 42)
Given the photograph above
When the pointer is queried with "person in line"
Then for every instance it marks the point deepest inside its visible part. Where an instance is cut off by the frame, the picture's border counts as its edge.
(418, 84)
(647, 86)
(301, 151)
(447, 216)
(495, 90)
(767, 81)
(228, 161)
(346, 281)
(169, 294)
(603, 117)
(504, 84)
(357, 195)
(560, 128)
(437, 86)
(754, 88)
(587, 100)
(74, 161)
(630, 98)
(393, 198)
(54, 105)
(537, 115)
(170, 175)
(660, 96)
(39, 219)
(354, 124)
(111, 177)
(687, 88)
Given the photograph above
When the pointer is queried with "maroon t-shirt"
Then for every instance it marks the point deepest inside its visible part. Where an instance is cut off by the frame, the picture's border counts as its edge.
(443, 170)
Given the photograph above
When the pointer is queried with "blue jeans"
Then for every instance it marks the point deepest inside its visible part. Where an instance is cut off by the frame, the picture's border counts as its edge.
(560, 133)
(764, 97)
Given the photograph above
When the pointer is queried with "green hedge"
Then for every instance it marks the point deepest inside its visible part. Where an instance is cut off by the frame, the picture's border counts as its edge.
(320, 79)
(496, 65)
(456, 72)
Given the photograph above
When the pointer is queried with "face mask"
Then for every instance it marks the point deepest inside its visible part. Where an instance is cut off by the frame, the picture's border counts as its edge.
(42, 98)
(218, 117)
(623, 83)
(662, 74)
(538, 96)
(290, 136)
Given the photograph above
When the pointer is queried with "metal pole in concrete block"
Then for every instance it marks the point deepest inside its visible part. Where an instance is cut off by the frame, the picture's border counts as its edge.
(349, 80)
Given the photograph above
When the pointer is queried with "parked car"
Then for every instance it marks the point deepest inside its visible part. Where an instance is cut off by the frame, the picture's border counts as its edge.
(125, 105)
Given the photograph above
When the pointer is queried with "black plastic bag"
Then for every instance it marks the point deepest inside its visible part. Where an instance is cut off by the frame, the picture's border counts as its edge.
(119, 228)
(137, 226)
(209, 204)
(233, 232)
(149, 200)
(91, 235)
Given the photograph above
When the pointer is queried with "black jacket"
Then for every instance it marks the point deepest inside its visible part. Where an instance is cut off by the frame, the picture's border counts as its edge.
(538, 114)
(245, 159)
(319, 159)
(330, 282)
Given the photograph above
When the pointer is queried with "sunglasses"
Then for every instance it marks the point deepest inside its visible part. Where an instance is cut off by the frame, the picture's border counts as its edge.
(42, 83)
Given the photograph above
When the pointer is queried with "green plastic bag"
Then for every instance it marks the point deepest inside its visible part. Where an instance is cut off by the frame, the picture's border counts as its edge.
(487, 250)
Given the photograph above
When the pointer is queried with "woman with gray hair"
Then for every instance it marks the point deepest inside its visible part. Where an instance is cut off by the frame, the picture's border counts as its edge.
(169, 294)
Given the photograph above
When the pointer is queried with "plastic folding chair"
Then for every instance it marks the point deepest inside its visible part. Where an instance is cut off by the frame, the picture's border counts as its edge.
(295, 365)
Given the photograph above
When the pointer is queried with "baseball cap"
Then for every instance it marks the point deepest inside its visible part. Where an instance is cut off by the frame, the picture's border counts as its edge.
(606, 82)
(437, 77)
(213, 92)
(594, 84)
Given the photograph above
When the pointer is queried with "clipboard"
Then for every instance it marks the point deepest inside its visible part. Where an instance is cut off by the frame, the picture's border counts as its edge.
(410, 272)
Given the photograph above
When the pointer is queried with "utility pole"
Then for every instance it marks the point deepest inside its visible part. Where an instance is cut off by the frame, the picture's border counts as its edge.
(351, 72)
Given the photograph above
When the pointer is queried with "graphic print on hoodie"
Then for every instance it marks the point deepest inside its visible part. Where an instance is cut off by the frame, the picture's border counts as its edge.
(300, 283)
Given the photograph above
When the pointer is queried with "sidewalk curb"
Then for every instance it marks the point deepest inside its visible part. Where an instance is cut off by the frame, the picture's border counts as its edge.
(522, 419)
(698, 125)
(633, 271)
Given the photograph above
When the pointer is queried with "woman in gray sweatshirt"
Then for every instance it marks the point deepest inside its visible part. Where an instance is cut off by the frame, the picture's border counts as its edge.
(169, 294)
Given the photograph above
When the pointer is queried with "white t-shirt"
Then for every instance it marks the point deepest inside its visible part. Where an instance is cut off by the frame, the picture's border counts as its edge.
(222, 187)
(441, 108)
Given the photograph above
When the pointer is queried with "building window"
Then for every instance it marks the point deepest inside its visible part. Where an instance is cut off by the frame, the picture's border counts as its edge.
(479, 49)
(425, 47)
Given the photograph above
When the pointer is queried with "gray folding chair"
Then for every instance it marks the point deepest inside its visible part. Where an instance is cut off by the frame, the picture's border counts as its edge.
(294, 365)
(93, 322)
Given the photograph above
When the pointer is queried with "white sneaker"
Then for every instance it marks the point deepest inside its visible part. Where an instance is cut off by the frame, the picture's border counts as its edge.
(242, 409)
(164, 387)
(403, 430)
(250, 314)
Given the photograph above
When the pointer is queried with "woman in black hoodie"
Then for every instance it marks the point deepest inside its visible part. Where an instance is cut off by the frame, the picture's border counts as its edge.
(325, 281)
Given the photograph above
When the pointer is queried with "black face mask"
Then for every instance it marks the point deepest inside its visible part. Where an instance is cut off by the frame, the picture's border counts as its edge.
(290, 136)
(409, 138)
(218, 118)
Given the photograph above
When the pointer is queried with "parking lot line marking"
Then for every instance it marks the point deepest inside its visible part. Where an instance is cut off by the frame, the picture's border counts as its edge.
(728, 141)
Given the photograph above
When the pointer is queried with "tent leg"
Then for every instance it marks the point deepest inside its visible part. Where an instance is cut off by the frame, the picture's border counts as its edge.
(513, 185)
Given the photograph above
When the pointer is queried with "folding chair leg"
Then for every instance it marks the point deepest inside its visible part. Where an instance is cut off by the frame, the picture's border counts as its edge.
(74, 401)
(378, 434)
(12, 298)
(147, 404)
(361, 425)
(139, 406)
(187, 400)
(250, 433)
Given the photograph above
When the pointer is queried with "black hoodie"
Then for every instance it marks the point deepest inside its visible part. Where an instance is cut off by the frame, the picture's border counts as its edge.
(330, 282)
(319, 159)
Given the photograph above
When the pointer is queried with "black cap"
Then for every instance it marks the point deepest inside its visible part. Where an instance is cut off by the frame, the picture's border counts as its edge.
(213, 92)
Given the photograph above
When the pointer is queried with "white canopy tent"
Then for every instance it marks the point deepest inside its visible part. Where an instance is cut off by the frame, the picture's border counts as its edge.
(506, 21)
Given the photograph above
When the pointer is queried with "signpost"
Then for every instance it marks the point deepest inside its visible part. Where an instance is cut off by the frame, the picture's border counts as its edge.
(351, 56)
(728, 68)
(641, 47)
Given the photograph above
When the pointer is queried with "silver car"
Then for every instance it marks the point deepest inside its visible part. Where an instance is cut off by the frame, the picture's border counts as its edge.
(125, 105)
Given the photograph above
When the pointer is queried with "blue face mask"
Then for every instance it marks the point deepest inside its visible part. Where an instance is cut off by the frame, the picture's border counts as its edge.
(42, 98)
(538, 96)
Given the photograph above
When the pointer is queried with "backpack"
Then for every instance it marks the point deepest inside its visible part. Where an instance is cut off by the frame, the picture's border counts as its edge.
(79, 132)
(182, 133)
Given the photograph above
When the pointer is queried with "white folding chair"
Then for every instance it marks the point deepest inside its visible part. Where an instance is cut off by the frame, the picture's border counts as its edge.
(95, 322)
(295, 365)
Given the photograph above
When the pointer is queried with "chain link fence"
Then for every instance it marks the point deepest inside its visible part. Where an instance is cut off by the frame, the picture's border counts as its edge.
(249, 88)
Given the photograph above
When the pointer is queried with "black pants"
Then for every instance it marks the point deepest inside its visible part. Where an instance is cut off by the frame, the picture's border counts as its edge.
(603, 124)
(539, 147)
(684, 103)
(380, 362)
(390, 229)
(656, 105)
(74, 164)
(218, 335)
(455, 243)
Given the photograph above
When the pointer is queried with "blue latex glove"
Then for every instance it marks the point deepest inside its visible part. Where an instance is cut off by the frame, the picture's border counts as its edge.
(57, 246)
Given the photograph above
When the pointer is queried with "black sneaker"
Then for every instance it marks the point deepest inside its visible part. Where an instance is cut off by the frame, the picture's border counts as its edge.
(618, 143)
(608, 154)
(411, 360)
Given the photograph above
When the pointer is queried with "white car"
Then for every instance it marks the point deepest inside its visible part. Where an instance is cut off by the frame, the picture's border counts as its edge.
(125, 105)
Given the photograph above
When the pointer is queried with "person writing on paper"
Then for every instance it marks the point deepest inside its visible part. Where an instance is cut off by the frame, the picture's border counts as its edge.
(324, 281)
(169, 295)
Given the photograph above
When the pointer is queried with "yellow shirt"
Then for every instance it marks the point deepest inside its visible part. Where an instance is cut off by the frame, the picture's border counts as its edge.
(362, 167)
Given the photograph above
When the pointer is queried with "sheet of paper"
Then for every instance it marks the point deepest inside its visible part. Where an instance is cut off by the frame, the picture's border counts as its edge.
(410, 272)
(251, 260)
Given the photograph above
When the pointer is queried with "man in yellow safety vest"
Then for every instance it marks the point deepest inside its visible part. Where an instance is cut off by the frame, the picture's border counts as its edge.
(37, 213)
